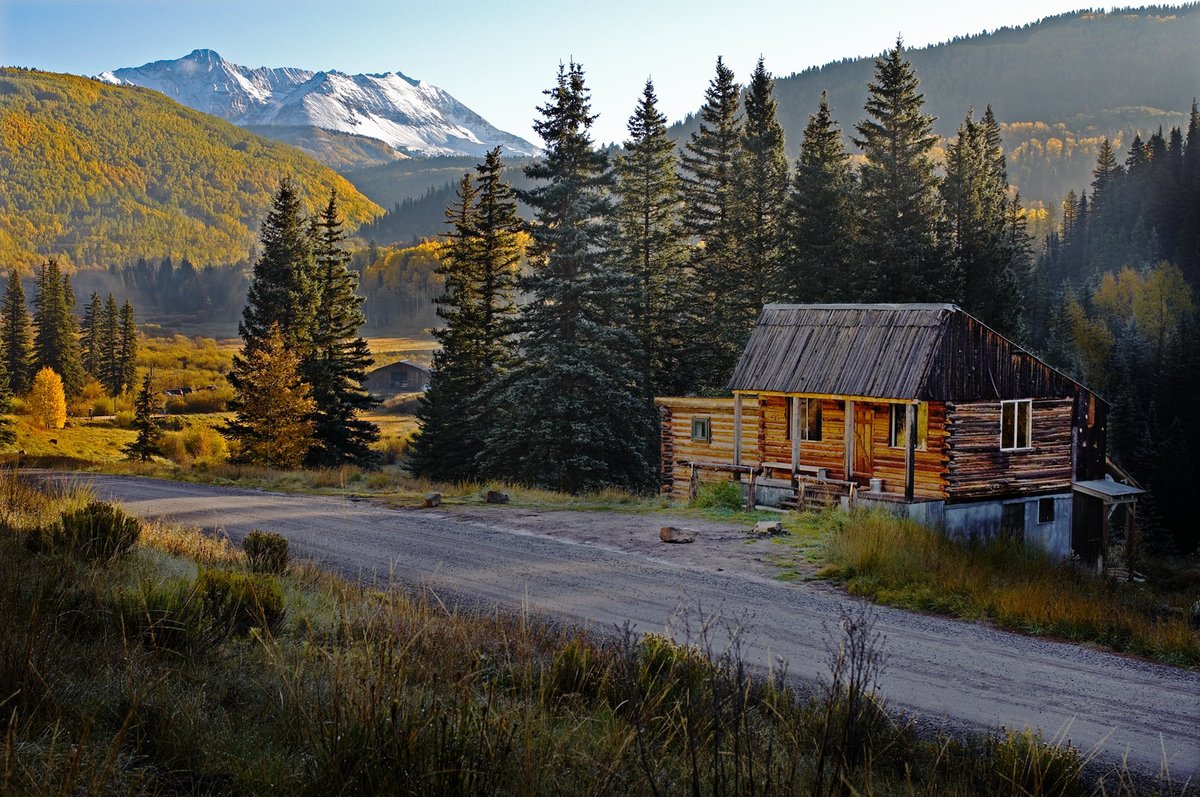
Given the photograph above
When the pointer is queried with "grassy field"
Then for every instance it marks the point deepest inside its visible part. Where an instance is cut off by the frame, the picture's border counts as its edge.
(904, 564)
(140, 673)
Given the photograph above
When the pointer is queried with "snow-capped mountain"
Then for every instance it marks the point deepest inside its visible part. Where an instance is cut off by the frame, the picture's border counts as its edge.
(411, 116)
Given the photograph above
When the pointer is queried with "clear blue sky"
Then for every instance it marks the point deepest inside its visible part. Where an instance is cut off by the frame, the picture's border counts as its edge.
(498, 57)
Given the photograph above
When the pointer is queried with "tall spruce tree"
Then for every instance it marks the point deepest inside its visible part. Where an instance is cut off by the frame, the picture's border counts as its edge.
(127, 356)
(901, 206)
(821, 263)
(572, 413)
(760, 189)
(273, 424)
(56, 342)
(497, 257)
(109, 345)
(449, 441)
(149, 431)
(338, 357)
(988, 251)
(281, 297)
(14, 337)
(652, 246)
(89, 340)
(710, 217)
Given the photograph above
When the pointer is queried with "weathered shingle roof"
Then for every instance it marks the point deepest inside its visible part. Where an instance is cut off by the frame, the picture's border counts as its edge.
(896, 351)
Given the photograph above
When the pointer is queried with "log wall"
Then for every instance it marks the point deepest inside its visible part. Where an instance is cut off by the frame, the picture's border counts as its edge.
(977, 468)
(677, 445)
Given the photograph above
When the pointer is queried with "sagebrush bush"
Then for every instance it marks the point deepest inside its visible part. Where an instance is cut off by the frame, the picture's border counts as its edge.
(719, 495)
(266, 552)
(195, 444)
(240, 601)
(168, 616)
(97, 531)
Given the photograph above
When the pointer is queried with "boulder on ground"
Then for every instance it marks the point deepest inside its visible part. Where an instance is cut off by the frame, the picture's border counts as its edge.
(675, 534)
(496, 497)
(433, 499)
(768, 528)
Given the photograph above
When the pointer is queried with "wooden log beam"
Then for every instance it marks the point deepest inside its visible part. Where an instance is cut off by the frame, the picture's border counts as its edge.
(910, 450)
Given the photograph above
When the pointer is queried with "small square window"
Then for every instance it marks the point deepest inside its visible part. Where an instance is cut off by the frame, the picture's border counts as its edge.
(898, 437)
(702, 430)
(1016, 425)
(1045, 510)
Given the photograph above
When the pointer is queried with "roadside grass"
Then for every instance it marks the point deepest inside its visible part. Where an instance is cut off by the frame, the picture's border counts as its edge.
(119, 677)
(901, 563)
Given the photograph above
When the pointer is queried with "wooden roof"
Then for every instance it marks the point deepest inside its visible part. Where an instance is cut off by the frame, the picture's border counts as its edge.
(928, 352)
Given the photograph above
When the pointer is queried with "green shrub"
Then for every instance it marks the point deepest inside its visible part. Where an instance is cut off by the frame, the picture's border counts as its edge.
(97, 531)
(240, 601)
(719, 495)
(578, 669)
(168, 616)
(266, 551)
(123, 420)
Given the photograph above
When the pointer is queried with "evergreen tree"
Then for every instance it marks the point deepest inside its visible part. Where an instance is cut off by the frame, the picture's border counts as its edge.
(127, 356)
(109, 344)
(273, 424)
(901, 207)
(761, 188)
(282, 291)
(339, 357)
(572, 413)
(710, 217)
(823, 218)
(497, 255)
(89, 341)
(986, 231)
(14, 337)
(149, 431)
(56, 343)
(652, 246)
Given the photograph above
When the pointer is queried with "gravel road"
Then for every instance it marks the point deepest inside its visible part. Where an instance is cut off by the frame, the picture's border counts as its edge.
(961, 674)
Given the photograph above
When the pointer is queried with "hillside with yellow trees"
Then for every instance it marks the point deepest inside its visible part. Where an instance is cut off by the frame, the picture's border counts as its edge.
(103, 174)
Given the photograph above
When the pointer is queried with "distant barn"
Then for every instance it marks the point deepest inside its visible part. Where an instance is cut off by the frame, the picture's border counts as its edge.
(917, 407)
(404, 376)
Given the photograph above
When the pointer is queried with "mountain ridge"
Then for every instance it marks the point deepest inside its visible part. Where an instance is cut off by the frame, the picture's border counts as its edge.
(411, 116)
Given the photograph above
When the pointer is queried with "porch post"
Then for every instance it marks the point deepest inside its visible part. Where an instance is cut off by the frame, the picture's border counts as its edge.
(795, 432)
(737, 428)
(848, 442)
(910, 450)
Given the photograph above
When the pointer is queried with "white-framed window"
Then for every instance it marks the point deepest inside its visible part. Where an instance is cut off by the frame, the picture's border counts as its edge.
(810, 418)
(1016, 425)
(702, 430)
(898, 436)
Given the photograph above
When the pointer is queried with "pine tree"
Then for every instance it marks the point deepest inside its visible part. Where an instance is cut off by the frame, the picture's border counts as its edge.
(901, 207)
(339, 357)
(710, 217)
(282, 292)
(824, 227)
(448, 442)
(149, 431)
(14, 337)
(652, 246)
(273, 424)
(89, 341)
(56, 343)
(761, 188)
(572, 413)
(127, 355)
(109, 344)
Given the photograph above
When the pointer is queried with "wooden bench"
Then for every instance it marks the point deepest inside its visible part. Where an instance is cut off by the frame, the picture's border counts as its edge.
(811, 470)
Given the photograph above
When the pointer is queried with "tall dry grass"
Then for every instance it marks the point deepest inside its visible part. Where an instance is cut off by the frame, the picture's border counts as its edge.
(1018, 587)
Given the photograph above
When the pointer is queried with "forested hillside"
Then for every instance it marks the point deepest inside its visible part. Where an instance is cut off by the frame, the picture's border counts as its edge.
(103, 174)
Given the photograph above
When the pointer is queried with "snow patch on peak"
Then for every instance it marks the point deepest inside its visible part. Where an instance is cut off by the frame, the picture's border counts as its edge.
(408, 114)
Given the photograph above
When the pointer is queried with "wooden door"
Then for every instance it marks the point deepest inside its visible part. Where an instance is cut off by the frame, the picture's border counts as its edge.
(864, 420)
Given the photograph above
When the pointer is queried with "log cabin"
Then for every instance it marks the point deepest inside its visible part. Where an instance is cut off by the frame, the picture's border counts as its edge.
(917, 408)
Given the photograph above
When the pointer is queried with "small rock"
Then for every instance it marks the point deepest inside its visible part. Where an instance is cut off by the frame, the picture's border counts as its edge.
(674, 534)
(496, 497)
(433, 499)
(768, 528)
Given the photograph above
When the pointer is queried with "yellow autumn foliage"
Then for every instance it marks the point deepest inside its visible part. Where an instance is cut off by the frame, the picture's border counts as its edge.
(47, 402)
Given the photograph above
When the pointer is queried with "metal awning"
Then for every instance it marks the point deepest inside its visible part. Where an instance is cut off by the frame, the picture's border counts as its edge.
(1111, 492)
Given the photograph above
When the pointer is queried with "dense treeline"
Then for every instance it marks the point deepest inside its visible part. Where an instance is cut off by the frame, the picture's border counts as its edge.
(1114, 305)
(647, 271)
(102, 174)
